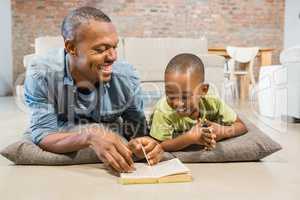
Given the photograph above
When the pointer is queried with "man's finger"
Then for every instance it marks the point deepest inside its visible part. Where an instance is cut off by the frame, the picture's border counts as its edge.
(125, 167)
(125, 152)
(109, 159)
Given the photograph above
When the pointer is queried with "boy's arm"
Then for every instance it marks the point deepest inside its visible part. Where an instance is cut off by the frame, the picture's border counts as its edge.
(162, 129)
(196, 135)
(177, 143)
(223, 132)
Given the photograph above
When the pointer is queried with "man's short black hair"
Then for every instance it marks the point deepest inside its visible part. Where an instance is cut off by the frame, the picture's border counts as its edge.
(184, 63)
(79, 16)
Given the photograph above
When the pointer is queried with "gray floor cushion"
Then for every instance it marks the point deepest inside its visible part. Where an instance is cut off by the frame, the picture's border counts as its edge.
(25, 152)
(252, 146)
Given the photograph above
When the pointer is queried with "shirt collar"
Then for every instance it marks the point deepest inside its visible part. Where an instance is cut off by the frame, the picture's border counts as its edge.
(68, 80)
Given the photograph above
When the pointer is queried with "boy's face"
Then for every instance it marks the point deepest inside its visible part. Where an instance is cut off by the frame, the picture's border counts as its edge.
(183, 92)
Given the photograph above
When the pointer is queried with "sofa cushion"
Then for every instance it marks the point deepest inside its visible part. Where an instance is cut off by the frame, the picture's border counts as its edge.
(150, 56)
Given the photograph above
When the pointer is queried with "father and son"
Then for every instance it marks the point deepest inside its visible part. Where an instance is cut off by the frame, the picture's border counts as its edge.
(84, 84)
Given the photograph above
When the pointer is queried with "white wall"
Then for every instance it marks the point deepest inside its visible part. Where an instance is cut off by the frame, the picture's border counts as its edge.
(292, 23)
(6, 70)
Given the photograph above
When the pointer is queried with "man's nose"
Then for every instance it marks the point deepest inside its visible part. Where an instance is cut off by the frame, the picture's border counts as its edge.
(111, 54)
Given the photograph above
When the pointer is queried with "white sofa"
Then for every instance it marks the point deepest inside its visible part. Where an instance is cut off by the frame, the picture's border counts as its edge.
(150, 56)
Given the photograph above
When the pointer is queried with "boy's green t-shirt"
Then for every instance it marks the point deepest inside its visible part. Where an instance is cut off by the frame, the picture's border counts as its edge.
(167, 124)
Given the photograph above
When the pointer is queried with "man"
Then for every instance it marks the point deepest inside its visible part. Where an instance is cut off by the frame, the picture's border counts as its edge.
(82, 83)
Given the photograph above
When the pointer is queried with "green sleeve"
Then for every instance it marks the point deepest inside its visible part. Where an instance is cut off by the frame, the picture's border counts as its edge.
(226, 114)
(161, 127)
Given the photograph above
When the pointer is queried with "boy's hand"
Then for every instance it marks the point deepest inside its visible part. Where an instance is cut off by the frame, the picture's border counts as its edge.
(216, 129)
(153, 149)
(203, 136)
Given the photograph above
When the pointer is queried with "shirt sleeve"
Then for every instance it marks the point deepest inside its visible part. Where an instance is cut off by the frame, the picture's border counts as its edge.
(226, 114)
(134, 117)
(43, 119)
(161, 126)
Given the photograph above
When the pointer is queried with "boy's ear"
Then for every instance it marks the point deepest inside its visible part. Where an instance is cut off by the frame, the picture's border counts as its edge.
(70, 47)
(204, 88)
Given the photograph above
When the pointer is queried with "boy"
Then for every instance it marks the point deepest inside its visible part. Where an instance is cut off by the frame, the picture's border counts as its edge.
(188, 114)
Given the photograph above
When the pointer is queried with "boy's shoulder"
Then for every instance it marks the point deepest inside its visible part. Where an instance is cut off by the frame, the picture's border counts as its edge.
(212, 99)
(162, 106)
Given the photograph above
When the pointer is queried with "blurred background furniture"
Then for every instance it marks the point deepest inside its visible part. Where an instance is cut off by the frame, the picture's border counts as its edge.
(264, 54)
(239, 69)
(271, 91)
(290, 58)
(149, 56)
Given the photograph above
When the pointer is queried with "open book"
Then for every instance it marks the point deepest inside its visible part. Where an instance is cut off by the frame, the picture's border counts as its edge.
(169, 171)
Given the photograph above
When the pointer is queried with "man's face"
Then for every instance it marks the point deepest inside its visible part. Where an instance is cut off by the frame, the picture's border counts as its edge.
(95, 51)
(183, 92)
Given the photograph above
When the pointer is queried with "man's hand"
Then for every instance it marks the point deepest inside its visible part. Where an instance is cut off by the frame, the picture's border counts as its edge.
(153, 149)
(110, 149)
(203, 136)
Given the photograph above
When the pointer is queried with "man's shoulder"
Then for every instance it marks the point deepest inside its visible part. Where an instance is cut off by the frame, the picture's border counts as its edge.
(124, 69)
(50, 62)
(125, 73)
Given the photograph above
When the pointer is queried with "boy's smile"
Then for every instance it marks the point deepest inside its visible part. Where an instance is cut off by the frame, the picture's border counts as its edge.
(183, 92)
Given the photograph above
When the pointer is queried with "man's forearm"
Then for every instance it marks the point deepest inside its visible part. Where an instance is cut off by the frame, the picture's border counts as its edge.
(64, 142)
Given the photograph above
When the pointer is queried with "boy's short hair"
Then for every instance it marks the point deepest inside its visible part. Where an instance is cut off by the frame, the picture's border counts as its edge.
(186, 62)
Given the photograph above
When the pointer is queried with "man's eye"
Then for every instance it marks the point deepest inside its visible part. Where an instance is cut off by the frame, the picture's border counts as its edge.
(100, 50)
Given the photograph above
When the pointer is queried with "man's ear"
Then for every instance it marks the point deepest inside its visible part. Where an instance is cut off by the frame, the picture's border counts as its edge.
(204, 88)
(70, 47)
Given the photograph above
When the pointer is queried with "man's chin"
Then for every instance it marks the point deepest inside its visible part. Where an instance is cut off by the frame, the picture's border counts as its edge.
(105, 77)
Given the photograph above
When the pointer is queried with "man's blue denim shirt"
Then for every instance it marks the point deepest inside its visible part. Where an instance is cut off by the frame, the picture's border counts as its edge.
(52, 97)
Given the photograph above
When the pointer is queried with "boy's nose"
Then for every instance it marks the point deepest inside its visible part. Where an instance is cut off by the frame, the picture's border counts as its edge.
(178, 103)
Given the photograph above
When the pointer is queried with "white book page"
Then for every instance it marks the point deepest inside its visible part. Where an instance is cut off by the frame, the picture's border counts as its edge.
(165, 168)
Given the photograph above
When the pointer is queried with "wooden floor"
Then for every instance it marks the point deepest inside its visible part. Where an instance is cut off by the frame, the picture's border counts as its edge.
(276, 177)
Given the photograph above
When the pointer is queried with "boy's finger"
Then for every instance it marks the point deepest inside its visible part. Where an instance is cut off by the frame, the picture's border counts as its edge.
(135, 145)
(210, 141)
(206, 130)
(206, 135)
(150, 146)
(213, 136)
(213, 143)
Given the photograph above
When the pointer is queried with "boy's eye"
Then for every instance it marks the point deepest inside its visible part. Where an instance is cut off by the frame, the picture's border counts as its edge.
(171, 98)
(184, 98)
